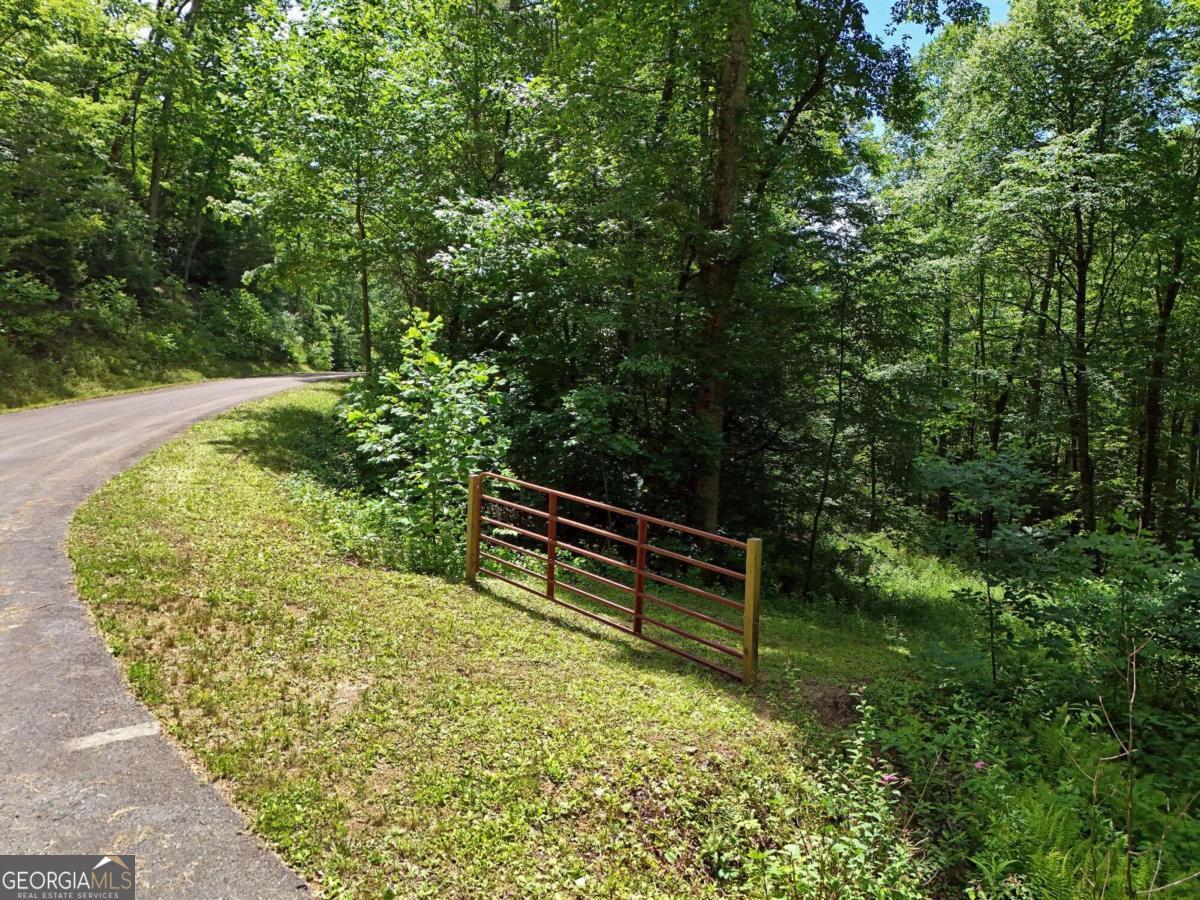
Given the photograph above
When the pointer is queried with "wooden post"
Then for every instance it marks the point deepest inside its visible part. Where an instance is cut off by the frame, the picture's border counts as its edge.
(750, 613)
(474, 504)
(551, 542)
(639, 586)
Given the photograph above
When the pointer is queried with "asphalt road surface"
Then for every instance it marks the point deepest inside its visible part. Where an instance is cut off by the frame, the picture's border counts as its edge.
(83, 768)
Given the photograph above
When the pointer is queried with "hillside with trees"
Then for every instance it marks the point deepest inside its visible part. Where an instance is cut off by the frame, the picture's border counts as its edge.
(121, 263)
(748, 264)
(685, 240)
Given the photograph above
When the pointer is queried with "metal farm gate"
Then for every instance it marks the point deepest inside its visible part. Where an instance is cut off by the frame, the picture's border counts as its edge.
(744, 649)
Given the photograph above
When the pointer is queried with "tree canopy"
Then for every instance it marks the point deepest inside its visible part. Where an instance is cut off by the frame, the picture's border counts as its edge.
(744, 263)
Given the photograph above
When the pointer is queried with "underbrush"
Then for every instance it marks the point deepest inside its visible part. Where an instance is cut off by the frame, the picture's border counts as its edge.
(1069, 772)
(102, 340)
(83, 369)
(1025, 794)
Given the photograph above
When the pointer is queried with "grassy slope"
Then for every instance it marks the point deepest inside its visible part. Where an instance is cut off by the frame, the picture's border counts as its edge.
(390, 730)
(100, 369)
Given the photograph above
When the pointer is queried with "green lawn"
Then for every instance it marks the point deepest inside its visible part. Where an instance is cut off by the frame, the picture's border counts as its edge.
(392, 732)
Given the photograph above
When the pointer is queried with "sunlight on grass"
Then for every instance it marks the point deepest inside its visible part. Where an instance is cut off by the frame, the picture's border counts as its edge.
(392, 731)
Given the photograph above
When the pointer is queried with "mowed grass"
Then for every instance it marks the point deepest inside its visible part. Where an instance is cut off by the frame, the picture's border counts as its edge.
(388, 732)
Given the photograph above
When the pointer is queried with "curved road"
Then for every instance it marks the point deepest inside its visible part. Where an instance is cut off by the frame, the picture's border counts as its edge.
(83, 768)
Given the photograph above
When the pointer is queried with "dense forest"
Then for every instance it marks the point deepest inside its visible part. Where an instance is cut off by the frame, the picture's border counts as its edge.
(713, 283)
(744, 263)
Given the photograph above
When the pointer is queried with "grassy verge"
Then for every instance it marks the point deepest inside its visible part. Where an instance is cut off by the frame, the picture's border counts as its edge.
(26, 383)
(388, 732)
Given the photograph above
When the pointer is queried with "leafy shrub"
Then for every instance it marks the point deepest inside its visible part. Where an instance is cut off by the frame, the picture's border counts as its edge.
(831, 826)
(421, 429)
(343, 346)
(28, 320)
(288, 338)
(319, 355)
(159, 347)
(104, 309)
(1028, 799)
(358, 526)
(239, 322)
(316, 333)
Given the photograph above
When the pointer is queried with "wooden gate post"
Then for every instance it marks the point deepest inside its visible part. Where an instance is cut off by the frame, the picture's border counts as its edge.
(474, 506)
(750, 612)
(551, 543)
(639, 582)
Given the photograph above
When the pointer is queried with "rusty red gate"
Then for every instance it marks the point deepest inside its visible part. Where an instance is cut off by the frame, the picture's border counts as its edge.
(643, 550)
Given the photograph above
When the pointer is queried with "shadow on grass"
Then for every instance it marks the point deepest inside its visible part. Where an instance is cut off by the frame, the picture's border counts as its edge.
(810, 657)
(641, 654)
(809, 665)
(293, 438)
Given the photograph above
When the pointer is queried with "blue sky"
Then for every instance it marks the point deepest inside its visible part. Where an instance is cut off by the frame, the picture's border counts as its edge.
(879, 14)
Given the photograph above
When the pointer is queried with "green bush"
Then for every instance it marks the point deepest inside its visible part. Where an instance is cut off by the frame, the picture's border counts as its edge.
(316, 334)
(239, 323)
(104, 309)
(319, 355)
(28, 319)
(288, 338)
(421, 429)
(343, 346)
(159, 347)
(1026, 799)
(829, 826)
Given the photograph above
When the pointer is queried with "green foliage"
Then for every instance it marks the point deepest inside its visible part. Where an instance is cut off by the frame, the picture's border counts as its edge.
(835, 827)
(343, 349)
(115, 147)
(717, 291)
(421, 428)
(106, 310)
(987, 512)
(238, 321)
(1027, 792)
(29, 322)
(1027, 777)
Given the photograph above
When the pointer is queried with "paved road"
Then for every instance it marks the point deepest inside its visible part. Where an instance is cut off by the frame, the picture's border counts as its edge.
(82, 766)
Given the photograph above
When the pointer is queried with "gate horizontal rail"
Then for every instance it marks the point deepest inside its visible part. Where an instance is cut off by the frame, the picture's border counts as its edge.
(750, 576)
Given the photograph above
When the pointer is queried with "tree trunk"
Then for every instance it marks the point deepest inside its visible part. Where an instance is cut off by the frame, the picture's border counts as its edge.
(1035, 387)
(980, 366)
(942, 503)
(1155, 371)
(667, 95)
(1081, 419)
(129, 120)
(364, 285)
(1193, 488)
(194, 241)
(1166, 297)
(158, 156)
(718, 275)
(158, 159)
(873, 516)
(1000, 404)
(830, 448)
(1170, 493)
